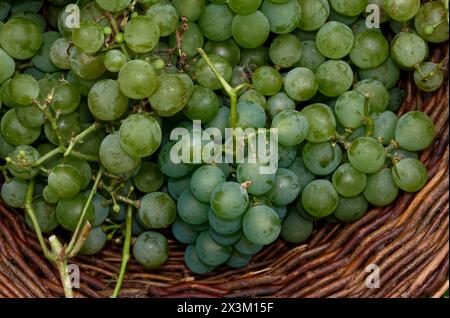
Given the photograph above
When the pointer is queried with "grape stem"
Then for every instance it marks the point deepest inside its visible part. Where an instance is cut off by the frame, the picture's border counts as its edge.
(231, 92)
(79, 138)
(61, 264)
(125, 251)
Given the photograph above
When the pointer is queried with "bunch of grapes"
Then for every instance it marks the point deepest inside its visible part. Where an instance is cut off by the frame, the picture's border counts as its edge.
(90, 94)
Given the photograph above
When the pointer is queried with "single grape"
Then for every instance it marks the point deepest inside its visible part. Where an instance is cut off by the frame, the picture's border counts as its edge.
(334, 77)
(194, 263)
(141, 34)
(286, 155)
(255, 57)
(260, 182)
(322, 124)
(65, 181)
(384, 129)
(253, 96)
(370, 49)
(381, 189)
(69, 211)
(95, 242)
(244, 246)
(204, 180)
(387, 73)
(279, 103)
(295, 229)
(215, 22)
(45, 214)
(209, 252)
(20, 38)
(366, 155)
(205, 75)
(113, 157)
(428, 76)
(23, 89)
(137, 79)
(283, 17)
(348, 181)
(89, 37)
(415, 131)
(151, 249)
(349, 109)
(191, 210)
(157, 210)
(170, 96)
(261, 225)
(285, 189)
(114, 60)
(192, 39)
(86, 66)
(408, 49)
(113, 6)
(183, 232)
(250, 31)
(376, 92)
(410, 174)
(314, 14)
(334, 40)
(13, 192)
(8, 66)
(15, 133)
(432, 14)
(350, 210)
(191, 9)
(202, 105)
(301, 84)
(149, 178)
(311, 57)
(229, 200)
(250, 115)
(165, 15)
(169, 167)
(224, 226)
(321, 159)
(285, 50)
(292, 127)
(319, 198)
(267, 81)
(401, 10)
(303, 174)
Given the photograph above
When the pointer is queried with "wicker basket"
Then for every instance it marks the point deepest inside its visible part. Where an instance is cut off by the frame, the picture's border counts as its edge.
(408, 241)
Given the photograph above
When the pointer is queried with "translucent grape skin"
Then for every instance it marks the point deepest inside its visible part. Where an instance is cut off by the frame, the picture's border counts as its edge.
(334, 77)
(293, 127)
(137, 79)
(260, 183)
(347, 181)
(285, 50)
(191, 210)
(205, 75)
(69, 211)
(401, 10)
(366, 155)
(334, 40)
(261, 225)
(20, 38)
(14, 132)
(294, 228)
(8, 66)
(349, 109)
(250, 115)
(376, 92)
(267, 80)
(244, 6)
(65, 181)
(428, 77)
(314, 14)
(106, 101)
(171, 95)
(284, 16)
(89, 37)
(203, 104)
(408, 49)
(250, 31)
(204, 180)
(319, 198)
(141, 34)
(311, 57)
(381, 189)
(13, 192)
(157, 210)
(322, 124)
(301, 84)
(278, 103)
(410, 174)
(370, 49)
(415, 131)
(321, 159)
(349, 7)
(351, 209)
(215, 22)
(113, 157)
(285, 189)
(165, 16)
(209, 252)
(229, 200)
(385, 124)
(151, 249)
(432, 14)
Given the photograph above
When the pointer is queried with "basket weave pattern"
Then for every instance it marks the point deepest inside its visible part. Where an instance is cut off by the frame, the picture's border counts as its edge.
(408, 241)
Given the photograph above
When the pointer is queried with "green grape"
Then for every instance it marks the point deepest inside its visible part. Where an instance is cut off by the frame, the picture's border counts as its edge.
(279, 103)
(401, 10)
(65, 181)
(360, 26)
(281, 211)
(334, 40)
(203, 104)
(13, 192)
(311, 57)
(238, 260)
(300, 84)
(205, 75)
(209, 252)
(370, 49)
(223, 239)
(91, 11)
(286, 155)
(193, 262)
(349, 7)
(253, 58)
(410, 174)
(428, 77)
(35, 72)
(366, 155)
(432, 14)
(384, 17)
(224, 226)
(191, 9)
(250, 115)
(5, 147)
(286, 188)
(170, 96)
(292, 127)
(334, 77)
(170, 168)
(151, 249)
(69, 211)
(314, 14)
(42, 59)
(60, 53)
(415, 131)
(24, 89)
(15, 133)
(283, 17)
(319, 198)
(140, 135)
(45, 214)
(229, 200)
(113, 6)
(141, 34)
(114, 60)
(192, 39)
(322, 124)
(149, 178)
(387, 73)
(66, 98)
(82, 167)
(349, 109)
(112, 156)
(89, 37)
(106, 101)
(20, 38)
(244, 6)
(183, 232)
(350, 210)
(30, 116)
(384, 129)
(101, 211)
(321, 159)
(260, 181)
(376, 92)
(43, 149)
(285, 50)
(68, 126)
(381, 189)
(88, 67)
(165, 16)
(95, 242)
(204, 180)
(408, 49)
(215, 22)
(221, 121)
(252, 95)
(244, 246)
(137, 79)
(348, 181)
(191, 210)
(8, 66)
(267, 81)
(157, 210)
(250, 31)
(261, 225)
(295, 229)
(227, 49)
(91, 143)
(303, 174)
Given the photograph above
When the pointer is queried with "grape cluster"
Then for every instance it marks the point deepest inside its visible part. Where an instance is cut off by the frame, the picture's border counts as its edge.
(87, 111)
